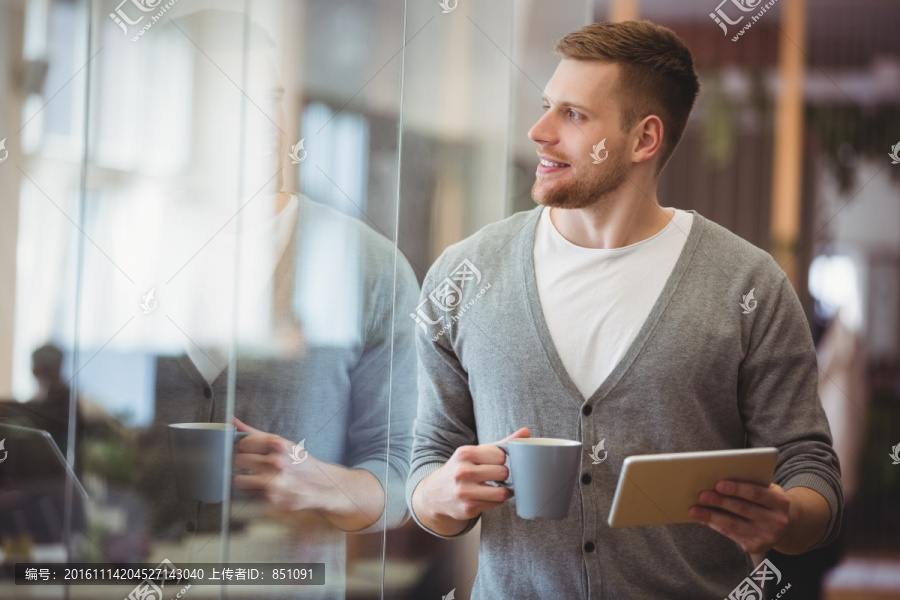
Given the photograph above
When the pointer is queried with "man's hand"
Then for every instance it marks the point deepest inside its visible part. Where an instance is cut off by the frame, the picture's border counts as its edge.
(760, 518)
(352, 499)
(272, 473)
(448, 497)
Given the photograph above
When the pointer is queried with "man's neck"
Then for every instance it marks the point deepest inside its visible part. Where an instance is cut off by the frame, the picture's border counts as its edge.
(611, 223)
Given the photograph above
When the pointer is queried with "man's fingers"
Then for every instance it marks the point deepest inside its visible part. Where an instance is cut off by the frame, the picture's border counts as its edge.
(753, 536)
(724, 522)
(522, 433)
(241, 426)
(485, 454)
(481, 473)
(770, 497)
(488, 454)
(488, 494)
(251, 482)
(264, 443)
(258, 462)
(718, 525)
(735, 505)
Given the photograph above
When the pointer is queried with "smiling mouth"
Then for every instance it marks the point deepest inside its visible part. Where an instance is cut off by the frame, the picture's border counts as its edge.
(550, 163)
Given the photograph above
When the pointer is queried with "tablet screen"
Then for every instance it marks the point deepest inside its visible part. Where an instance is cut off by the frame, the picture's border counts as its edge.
(659, 489)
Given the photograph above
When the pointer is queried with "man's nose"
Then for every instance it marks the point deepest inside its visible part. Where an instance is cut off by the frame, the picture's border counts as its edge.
(544, 131)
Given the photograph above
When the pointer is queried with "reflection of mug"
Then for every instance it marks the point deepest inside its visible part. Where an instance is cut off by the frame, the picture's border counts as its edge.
(200, 452)
(543, 471)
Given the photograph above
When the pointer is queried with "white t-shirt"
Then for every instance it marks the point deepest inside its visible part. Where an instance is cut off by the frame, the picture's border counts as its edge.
(596, 300)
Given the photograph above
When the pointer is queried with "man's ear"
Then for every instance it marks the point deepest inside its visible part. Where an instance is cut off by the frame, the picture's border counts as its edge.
(648, 142)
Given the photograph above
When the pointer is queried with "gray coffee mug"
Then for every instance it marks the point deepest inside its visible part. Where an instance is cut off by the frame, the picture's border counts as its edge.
(200, 452)
(544, 472)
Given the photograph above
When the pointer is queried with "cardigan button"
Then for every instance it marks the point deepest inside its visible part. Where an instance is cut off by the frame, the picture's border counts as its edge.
(586, 409)
(207, 392)
(586, 478)
(589, 547)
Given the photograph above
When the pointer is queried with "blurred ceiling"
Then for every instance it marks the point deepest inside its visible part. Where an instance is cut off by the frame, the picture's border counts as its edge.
(841, 33)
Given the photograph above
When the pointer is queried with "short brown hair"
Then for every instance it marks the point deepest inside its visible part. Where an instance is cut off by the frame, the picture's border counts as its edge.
(657, 72)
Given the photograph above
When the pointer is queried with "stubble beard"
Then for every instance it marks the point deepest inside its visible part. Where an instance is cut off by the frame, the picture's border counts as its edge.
(595, 187)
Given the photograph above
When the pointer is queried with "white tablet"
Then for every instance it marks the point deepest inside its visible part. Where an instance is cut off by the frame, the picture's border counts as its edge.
(659, 489)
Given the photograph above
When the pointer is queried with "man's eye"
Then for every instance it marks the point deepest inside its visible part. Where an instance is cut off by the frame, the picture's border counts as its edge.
(546, 107)
(574, 115)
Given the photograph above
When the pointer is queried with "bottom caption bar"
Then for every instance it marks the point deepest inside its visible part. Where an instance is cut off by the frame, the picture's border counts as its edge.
(167, 573)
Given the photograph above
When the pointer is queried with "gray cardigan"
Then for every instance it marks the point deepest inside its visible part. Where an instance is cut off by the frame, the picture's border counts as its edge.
(703, 373)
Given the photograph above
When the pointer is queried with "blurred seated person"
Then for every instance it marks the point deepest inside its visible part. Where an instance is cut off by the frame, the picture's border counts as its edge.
(37, 513)
(49, 409)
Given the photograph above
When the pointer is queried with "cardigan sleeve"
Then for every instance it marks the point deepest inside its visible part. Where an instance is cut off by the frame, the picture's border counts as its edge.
(779, 402)
(446, 416)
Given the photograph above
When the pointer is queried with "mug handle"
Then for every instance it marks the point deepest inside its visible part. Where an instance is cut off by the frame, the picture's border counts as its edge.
(238, 436)
(503, 484)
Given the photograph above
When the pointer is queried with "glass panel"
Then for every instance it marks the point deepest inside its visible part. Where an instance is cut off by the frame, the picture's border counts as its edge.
(453, 182)
(473, 78)
(226, 254)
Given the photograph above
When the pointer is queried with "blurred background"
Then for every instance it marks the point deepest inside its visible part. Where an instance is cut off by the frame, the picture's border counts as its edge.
(198, 199)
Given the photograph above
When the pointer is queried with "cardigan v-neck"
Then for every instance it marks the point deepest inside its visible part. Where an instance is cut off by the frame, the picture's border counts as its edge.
(537, 314)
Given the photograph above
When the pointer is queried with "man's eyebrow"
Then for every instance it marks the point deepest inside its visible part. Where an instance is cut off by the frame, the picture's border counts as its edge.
(565, 104)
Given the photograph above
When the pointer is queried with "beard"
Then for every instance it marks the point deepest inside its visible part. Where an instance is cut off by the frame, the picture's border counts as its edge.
(594, 186)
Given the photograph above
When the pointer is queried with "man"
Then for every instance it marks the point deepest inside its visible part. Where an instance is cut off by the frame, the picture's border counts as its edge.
(601, 316)
(324, 371)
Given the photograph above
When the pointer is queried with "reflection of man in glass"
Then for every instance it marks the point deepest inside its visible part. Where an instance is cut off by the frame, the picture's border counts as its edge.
(321, 358)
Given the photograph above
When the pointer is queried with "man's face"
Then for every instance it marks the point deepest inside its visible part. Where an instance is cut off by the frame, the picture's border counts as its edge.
(581, 104)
